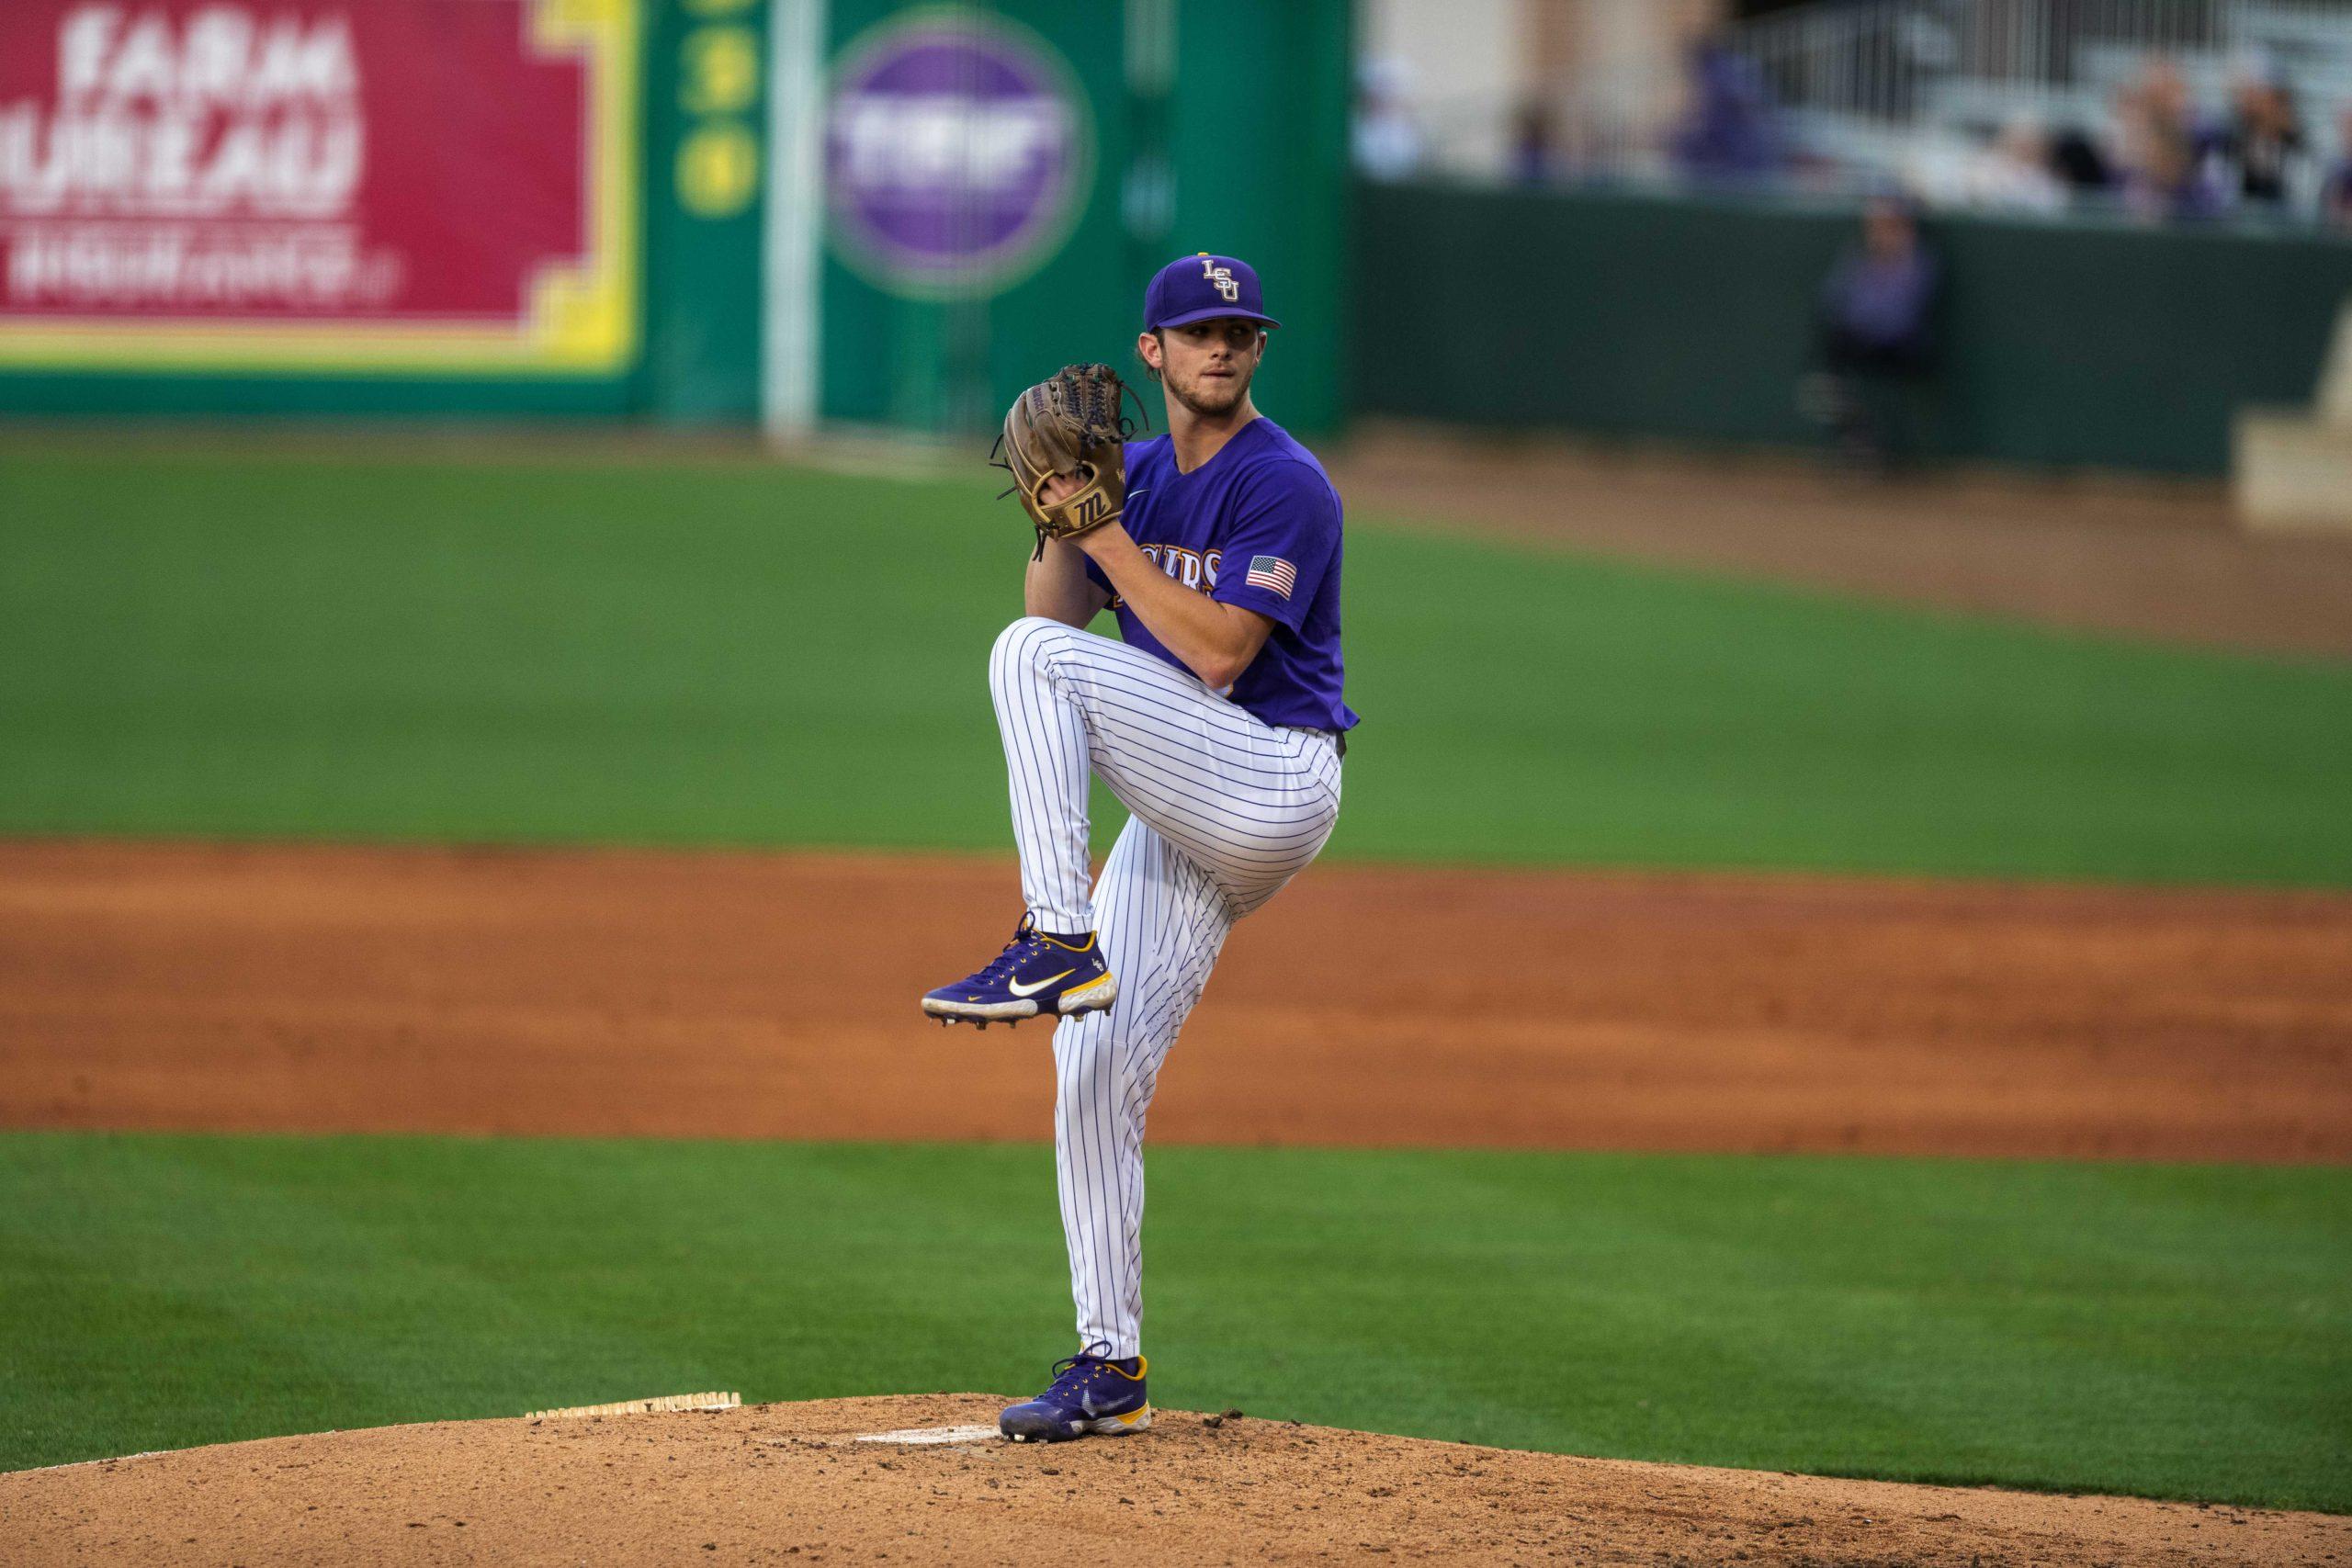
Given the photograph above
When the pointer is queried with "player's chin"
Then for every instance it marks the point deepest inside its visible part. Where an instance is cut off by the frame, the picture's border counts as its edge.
(1212, 394)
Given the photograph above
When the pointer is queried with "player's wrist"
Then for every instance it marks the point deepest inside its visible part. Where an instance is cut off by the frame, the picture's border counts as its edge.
(1095, 541)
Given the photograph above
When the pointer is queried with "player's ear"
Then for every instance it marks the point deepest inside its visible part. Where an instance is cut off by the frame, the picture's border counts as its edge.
(1151, 351)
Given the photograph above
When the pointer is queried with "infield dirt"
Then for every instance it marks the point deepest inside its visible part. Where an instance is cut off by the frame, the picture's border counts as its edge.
(312, 988)
(791, 1483)
(607, 992)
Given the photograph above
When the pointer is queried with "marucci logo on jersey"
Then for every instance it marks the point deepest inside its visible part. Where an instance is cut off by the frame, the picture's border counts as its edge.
(1271, 573)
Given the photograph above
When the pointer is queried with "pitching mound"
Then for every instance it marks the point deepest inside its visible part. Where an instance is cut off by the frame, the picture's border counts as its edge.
(793, 1483)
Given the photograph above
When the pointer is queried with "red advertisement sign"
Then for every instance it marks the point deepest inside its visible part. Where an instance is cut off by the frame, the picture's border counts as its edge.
(339, 185)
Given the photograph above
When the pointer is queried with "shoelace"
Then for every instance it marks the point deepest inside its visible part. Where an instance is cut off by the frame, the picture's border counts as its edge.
(1073, 1374)
(1025, 937)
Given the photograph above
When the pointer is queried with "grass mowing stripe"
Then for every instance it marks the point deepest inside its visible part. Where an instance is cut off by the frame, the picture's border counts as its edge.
(2175, 1331)
(668, 653)
(1730, 723)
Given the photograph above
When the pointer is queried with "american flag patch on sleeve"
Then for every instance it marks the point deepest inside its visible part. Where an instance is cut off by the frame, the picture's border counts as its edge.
(1271, 573)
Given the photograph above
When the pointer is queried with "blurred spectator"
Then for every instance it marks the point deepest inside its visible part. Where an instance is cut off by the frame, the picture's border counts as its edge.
(2260, 146)
(2079, 162)
(2014, 175)
(2170, 183)
(2336, 196)
(1732, 131)
(2164, 169)
(1876, 335)
(1534, 143)
(1812, 112)
(1386, 143)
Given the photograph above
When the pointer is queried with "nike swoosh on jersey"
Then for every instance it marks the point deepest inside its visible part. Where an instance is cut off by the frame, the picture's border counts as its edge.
(1018, 989)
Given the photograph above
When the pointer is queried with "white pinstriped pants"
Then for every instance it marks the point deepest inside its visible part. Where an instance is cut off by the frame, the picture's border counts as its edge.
(1223, 808)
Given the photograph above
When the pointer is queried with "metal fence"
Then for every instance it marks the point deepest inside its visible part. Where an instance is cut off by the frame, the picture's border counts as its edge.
(1903, 60)
(1873, 89)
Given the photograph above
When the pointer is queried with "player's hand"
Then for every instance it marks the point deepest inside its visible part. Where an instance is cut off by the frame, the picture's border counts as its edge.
(1061, 487)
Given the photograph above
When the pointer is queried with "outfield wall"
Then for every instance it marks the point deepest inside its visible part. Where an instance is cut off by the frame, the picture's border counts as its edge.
(693, 211)
(429, 207)
(934, 315)
(1653, 316)
(801, 212)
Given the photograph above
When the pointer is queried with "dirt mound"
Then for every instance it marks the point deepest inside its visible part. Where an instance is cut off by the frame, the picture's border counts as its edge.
(791, 1483)
(323, 989)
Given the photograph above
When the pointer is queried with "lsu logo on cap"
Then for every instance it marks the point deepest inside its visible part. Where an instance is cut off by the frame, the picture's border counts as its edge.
(1221, 275)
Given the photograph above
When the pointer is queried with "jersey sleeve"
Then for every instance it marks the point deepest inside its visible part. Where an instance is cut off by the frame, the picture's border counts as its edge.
(1285, 532)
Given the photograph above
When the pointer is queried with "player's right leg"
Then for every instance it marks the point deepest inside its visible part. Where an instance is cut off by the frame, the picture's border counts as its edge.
(1164, 921)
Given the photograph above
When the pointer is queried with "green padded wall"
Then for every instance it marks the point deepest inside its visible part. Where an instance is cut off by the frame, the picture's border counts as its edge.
(1253, 143)
(1642, 316)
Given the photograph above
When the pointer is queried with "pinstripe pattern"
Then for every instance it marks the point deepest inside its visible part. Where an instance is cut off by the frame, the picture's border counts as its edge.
(1224, 808)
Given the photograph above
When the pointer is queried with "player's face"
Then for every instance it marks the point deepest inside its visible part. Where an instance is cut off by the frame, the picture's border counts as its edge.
(1206, 366)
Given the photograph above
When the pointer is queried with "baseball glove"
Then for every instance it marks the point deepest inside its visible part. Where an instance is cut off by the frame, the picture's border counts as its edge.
(1072, 427)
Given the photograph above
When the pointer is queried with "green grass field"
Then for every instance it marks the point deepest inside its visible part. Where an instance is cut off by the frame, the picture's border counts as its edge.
(666, 651)
(2179, 1331)
(653, 650)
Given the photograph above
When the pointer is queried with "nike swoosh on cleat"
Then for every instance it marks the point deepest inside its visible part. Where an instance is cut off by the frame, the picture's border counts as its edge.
(1018, 989)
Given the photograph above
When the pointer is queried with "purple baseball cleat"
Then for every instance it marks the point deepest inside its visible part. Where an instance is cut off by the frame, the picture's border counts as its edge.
(1092, 1395)
(1037, 972)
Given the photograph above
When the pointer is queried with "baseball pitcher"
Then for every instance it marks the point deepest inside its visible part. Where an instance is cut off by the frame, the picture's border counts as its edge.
(1217, 718)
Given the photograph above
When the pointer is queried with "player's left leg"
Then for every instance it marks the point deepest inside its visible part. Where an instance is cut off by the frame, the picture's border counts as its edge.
(1248, 802)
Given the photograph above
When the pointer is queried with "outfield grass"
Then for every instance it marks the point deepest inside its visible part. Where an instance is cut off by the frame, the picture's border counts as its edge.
(242, 644)
(2168, 1330)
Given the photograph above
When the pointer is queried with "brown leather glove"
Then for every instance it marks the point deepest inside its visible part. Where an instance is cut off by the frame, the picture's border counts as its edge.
(1069, 427)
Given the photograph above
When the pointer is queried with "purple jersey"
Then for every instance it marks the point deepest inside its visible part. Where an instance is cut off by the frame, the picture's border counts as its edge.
(1256, 525)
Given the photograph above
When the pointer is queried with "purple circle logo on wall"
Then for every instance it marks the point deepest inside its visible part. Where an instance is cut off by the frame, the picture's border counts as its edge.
(957, 153)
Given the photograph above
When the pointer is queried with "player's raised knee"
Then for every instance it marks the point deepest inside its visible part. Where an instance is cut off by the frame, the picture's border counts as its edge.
(1029, 639)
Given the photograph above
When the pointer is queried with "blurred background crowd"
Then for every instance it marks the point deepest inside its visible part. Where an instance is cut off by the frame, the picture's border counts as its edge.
(2154, 110)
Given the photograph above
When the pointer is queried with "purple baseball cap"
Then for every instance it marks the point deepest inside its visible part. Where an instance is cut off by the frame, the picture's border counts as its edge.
(1202, 288)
